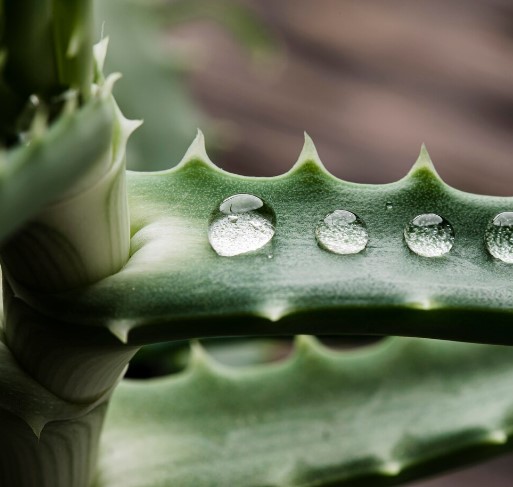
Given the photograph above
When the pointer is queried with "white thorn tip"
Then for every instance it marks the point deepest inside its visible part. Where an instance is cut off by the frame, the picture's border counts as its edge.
(37, 425)
(199, 356)
(390, 469)
(196, 150)
(120, 329)
(423, 162)
(497, 437)
(306, 342)
(109, 83)
(308, 153)
(274, 311)
(130, 126)
(423, 303)
(100, 51)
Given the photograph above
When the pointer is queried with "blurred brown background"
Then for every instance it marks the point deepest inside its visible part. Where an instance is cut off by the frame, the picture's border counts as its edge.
(369, 81)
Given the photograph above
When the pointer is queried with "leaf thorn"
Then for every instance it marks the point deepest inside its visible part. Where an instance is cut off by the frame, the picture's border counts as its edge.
(308, 156)
(196, 151)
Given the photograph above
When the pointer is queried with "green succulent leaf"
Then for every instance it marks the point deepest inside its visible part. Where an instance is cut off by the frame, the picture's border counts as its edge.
(176, 286)
(25, 398)
(376, 416)
(45, 50)
(36, 174)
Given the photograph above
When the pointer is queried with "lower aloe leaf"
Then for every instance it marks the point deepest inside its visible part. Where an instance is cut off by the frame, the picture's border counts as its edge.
(380, 415)
(201, 266)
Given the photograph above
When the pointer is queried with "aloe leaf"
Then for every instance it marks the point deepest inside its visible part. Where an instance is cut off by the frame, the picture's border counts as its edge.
(45, 46)
(375, 416)
(45, 441)
(176, 286)
(24, 397)
(48, 45)
(35, 175)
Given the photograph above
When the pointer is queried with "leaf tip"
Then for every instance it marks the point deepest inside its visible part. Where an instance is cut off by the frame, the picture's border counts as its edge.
(100, 53)
(497, 437)
(390, 469)
(130, 126)
(274, 311)
(108, 85)
(36, 424)
(306, 345)
(199, 359)
(120, 329)
(197, 150)
(423, 304)
(423, 165)
(308, 156)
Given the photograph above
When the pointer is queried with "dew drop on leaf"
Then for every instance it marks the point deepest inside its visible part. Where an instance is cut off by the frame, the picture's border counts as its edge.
(429, 235)
(499, 237)
(342, 232)
(241, 223)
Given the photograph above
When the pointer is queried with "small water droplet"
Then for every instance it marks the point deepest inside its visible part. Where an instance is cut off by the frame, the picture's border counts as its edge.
(342, 232)
(242, 223)
(429, 235)
(389, 205)
(499, 237)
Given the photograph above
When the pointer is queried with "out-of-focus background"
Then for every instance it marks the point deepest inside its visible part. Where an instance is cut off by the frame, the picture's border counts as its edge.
(368, 80)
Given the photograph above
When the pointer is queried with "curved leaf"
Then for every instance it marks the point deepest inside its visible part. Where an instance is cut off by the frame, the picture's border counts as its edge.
(35, 175)
(376, 416)
(176, 286)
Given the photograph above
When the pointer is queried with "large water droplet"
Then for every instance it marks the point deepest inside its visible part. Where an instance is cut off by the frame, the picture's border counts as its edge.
(342, 232)
(499, 237)
(242, 223)
(429, 235)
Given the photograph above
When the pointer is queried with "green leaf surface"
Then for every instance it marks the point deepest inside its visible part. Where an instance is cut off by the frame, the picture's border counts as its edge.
(48, 45)
(34, 175)
(25, 398)
(375, 416)
(176, 286)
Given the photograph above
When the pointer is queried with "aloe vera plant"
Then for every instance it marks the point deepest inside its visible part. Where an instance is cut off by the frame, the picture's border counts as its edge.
(98, 262)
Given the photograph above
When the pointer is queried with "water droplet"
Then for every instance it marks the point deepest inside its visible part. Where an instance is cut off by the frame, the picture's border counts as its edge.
(499, 237)
(389, 205)
(429, 235)
(242, 223)
(342, 232)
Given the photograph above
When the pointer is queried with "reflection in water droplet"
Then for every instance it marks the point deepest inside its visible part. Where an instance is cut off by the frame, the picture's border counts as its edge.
(389, 205)
(342, 232)
(242, 223)
(499, 237)
(429, 235)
